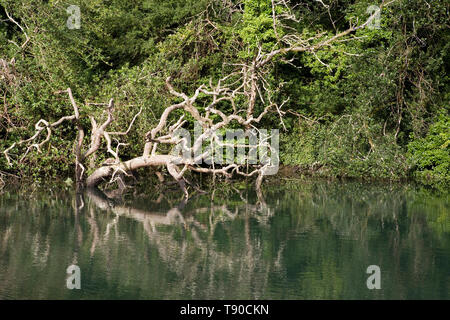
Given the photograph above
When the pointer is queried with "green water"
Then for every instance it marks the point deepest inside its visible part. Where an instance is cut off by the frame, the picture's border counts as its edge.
(301, 240)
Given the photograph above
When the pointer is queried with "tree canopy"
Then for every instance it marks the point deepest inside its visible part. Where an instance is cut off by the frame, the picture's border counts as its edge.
(357, 101)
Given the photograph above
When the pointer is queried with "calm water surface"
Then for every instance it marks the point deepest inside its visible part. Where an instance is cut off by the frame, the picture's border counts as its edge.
(302, 240)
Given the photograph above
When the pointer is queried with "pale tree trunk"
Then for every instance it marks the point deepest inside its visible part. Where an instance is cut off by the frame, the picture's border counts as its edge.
(245, 91)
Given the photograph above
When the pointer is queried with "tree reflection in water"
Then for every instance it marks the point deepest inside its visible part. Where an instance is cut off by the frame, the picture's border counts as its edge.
(305, 240)
(187, 255)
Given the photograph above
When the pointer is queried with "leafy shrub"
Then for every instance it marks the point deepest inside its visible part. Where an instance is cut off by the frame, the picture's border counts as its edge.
(430, 156)
(347, 147)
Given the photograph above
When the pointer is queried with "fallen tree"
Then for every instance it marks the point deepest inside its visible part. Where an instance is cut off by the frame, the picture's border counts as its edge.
(243, 91)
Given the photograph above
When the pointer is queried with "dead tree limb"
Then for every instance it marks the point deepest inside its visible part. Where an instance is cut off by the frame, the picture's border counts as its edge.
(245, 90)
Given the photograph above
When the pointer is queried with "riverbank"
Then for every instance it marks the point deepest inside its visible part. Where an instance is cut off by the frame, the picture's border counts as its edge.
(285, 173)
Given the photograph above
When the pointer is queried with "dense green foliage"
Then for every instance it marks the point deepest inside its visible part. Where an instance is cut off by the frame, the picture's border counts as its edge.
(431, 154)
(373, 107)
